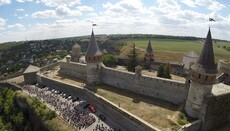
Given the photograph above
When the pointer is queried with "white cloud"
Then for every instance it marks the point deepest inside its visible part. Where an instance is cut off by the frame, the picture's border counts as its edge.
(22, 17)
(92, 14)
(44, 14)
(16, 26)
(169, 5)
(216, 6)
(5, 2)
(60, 11)
(85, 8)
(20, 9)
(22, 1)
(125, 8)
(53, 3)
(189, 3)
(127, 16)
(212, 5)
(2, 22)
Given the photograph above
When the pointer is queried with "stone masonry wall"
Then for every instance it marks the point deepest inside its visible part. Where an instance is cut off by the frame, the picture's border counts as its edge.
(74, 69)
(223, 67)
(215, 111)
(169, 90)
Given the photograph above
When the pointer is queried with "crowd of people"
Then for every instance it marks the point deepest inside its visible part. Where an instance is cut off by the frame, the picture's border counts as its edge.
(78, 118)
(101, 127)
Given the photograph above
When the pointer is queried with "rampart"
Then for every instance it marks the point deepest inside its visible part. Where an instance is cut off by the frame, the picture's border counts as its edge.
(73, 69)
(176, 68)
(223, 67)
(123, 118)
(165, 89)
(215, 110)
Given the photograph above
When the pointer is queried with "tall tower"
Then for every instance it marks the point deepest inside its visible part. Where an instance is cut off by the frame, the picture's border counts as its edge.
(93, 59)
(76, 53)
(203, 76)
(149, 54)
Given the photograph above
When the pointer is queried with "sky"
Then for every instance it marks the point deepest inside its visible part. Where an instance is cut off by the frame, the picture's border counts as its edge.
(46, 19)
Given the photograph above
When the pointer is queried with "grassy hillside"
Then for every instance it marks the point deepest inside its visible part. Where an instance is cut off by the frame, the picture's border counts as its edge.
(170, 50)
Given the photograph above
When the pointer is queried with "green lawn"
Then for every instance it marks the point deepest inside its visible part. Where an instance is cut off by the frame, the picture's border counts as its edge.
(162, 45)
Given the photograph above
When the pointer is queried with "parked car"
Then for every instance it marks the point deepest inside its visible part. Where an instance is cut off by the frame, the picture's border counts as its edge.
(52, 90)
(86, 105)
(92, 109)
(66, 96)
(69, 97)
(82, 102)
(102, 117)
(75, 99)
(56, 92)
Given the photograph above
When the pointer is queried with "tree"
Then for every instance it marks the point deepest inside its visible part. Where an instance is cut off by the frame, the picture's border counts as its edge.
(109, 60)
(160, 71)
(164, 71)
(132, 59)
(167, 71)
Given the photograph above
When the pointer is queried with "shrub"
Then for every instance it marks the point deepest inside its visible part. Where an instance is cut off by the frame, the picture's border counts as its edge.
(109, 60)
(50, 115)
(182, 120)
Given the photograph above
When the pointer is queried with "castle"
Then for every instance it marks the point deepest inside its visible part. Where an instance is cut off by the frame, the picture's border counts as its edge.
(201, 94)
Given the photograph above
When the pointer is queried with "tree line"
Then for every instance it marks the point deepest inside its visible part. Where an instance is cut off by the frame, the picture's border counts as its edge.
(12, 117)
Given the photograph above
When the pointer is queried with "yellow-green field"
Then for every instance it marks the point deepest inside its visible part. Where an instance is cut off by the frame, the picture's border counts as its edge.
(166, 48)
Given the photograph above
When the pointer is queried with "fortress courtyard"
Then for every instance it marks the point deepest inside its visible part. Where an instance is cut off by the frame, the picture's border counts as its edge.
(159, 113)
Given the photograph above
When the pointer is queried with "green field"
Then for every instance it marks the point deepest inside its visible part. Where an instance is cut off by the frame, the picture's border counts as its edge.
(180, 46)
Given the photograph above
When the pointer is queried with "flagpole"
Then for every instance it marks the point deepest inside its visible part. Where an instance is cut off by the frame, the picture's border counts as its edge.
(208, 20)
(92, 25)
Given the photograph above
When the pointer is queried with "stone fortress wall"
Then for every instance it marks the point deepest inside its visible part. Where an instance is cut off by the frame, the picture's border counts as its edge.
(173, 91)
(215, 111)
(77, 70)
(224, 67)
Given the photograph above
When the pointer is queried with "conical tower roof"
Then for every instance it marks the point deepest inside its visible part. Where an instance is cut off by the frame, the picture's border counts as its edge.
(31, 69)
(205, 63)
(149, 49)
(93, 49)
(76, 46)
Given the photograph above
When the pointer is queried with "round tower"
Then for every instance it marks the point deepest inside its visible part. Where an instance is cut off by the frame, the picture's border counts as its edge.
(93, 59)
(149, 54)
(76, 53)
(203, 76)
